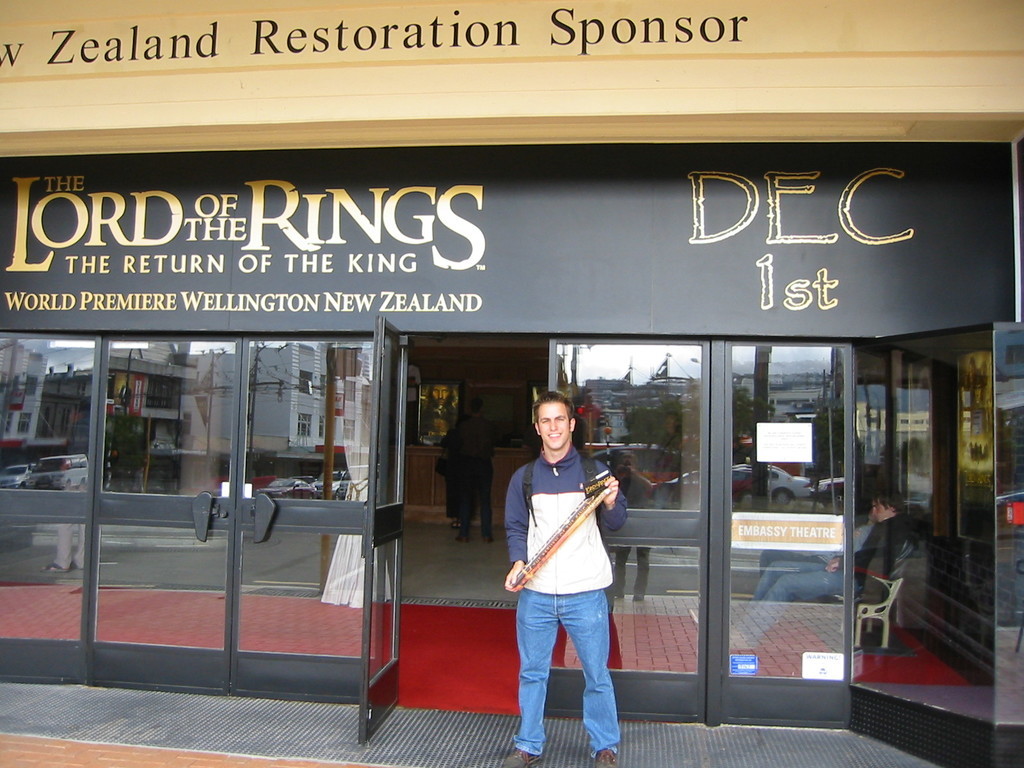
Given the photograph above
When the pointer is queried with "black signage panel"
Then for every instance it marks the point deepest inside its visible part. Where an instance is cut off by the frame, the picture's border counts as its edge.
(768, 239)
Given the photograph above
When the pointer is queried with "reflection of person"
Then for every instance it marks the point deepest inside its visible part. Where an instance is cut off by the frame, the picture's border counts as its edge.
(412, 396)
(643, 569)
(590, 414)
(64, 561)
(637, 490)
(476, 448)
(885, 535)
(567, 591)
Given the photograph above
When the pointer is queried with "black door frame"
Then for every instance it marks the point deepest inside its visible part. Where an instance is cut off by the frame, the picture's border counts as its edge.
(664, 696)
(715, 697)
(384, 510)
(36, 659)
(753, 700)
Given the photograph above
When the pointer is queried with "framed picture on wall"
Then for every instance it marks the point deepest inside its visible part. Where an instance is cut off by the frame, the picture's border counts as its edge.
(438, 410)
(975, 446)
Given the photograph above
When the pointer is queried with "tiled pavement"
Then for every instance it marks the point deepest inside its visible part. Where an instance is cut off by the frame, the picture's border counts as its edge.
(37, 752)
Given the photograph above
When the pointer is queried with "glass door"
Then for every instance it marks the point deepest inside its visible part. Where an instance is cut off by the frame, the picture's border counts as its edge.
(788, 568)
(164, 514)
(231, 515)
(298, 581)
(382, 533)
(47, 397)
(641, 410)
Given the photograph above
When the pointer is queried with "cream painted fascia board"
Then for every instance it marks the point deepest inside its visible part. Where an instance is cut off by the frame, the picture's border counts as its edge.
(985, 85)
(650, 129)
(960, 77)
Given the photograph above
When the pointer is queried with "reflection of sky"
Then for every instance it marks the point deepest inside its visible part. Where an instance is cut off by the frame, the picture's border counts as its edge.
(208, 347)
(613, 361)
(784, 359)
(60, 354)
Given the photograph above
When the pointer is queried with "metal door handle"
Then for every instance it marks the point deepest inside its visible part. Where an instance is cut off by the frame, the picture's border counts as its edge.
(202, 510)
(263, 510)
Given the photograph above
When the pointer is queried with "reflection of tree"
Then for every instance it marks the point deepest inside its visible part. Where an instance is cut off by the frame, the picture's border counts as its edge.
(742, 423)
(650, 425)
(671, 424)
(126, 450)
(829, 424)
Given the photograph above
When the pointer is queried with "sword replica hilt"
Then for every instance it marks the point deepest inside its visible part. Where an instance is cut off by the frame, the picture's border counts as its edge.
(593, 494)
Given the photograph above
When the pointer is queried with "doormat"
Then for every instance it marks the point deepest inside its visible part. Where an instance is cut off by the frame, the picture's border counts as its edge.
(459, 659)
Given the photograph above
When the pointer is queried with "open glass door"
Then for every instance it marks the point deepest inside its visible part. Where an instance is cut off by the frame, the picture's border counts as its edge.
(382, 532)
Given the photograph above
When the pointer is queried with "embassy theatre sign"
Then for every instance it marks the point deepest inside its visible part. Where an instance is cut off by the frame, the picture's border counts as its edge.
(838, 240)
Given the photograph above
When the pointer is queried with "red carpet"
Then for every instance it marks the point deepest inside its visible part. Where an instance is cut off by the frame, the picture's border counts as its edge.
(916, 665)
(459, 659)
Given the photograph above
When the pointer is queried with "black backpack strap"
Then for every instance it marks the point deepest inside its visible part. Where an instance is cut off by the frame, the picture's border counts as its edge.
(528, 488)
(589, 469)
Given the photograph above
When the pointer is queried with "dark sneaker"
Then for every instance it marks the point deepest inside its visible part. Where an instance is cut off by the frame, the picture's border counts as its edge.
(605, 757)
(520, 759)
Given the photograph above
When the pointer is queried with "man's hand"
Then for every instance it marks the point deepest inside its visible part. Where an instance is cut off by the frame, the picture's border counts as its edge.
(611, 494)
(833, 565)
(517, 566)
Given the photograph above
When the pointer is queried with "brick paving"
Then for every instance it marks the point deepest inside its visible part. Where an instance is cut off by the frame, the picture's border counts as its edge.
(36, 752)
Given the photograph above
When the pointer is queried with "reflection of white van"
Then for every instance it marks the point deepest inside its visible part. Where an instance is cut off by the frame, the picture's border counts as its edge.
(15, 476)
(60, 472)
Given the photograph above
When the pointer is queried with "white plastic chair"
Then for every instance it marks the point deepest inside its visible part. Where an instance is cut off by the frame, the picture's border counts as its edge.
(877, 611)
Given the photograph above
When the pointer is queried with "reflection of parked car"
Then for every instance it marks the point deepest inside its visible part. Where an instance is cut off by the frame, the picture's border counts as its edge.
(830, 490)
(742, 483)
(339, 484)
(782, 486)
(15, 476)
(60, 472)
(289, 488)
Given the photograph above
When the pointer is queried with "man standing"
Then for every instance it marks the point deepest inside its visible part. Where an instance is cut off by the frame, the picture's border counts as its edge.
(476, 470)
(568, 590)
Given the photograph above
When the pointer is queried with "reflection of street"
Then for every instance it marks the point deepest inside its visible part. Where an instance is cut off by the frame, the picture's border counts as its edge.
(162, 586)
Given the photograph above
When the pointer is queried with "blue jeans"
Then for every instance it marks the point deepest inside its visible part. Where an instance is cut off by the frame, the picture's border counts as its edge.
(779, 569)
(805, 585)
(585, 618)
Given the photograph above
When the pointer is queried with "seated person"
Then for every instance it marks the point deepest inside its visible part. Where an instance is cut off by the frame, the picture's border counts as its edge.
(885, 535)
(776, 563)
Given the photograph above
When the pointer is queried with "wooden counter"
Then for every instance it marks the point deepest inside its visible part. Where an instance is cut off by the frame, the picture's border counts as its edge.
(424, 488)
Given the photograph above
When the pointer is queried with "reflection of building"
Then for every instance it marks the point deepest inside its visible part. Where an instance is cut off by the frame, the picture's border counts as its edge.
(45, 402)
(287, 391)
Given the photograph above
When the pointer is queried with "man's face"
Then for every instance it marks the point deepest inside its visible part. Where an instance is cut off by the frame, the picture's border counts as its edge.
(554, 427)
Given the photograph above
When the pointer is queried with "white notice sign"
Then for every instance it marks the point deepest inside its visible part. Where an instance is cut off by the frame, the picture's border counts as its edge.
(785, 442)
(822, 666)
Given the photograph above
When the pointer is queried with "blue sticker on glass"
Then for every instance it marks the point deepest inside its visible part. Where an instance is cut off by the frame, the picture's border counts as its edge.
(743, 664)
